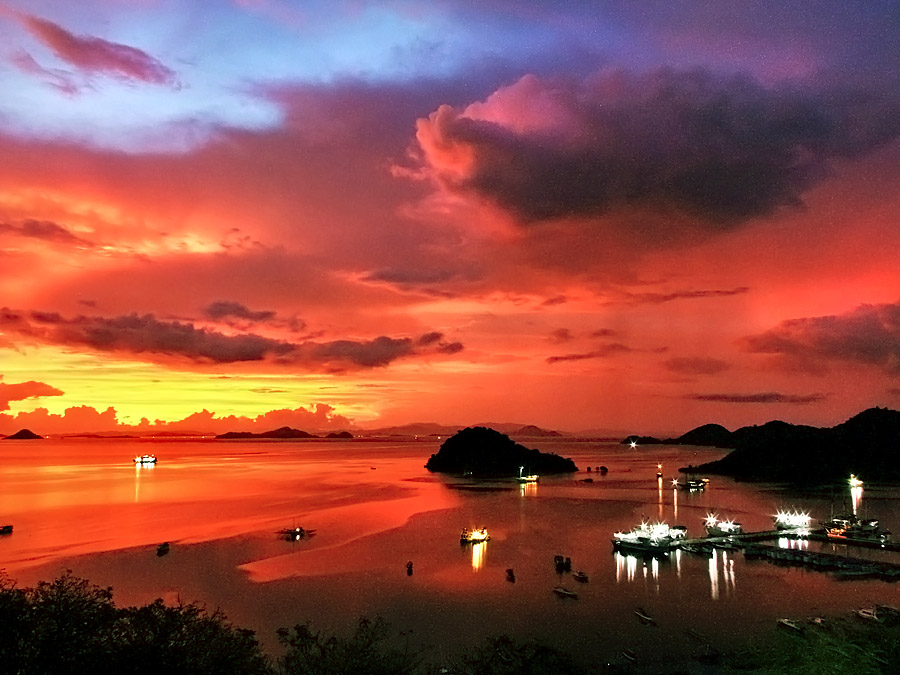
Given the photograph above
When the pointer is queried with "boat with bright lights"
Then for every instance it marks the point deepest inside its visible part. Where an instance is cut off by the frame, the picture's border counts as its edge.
(721, 528)
(796, 521)
(530, 478)
(647, 539)
(468, 536)
(849, 526)
(692, 484)
(145, 459)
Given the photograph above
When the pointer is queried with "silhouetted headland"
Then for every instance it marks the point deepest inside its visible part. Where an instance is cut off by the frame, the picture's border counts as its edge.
(866, 445)
(488, 453)
(281, 432)
(23, 435)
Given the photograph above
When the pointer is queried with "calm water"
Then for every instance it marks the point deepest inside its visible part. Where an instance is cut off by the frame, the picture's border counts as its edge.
(82, 505)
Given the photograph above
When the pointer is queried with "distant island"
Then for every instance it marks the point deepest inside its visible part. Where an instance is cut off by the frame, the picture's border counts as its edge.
(281, 432)
(485, 452)
(23, 435)
(866, 445)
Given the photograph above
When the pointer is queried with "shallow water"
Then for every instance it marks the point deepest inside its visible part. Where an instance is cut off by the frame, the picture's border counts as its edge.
(83, 505)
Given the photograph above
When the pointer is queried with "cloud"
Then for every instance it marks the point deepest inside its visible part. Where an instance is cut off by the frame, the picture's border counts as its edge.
(721, 150)
(93, 54)
(767, 397)
(660, 298)
(561, 335)
(869, 334)
(224, 309)
(145, 334)
(24, 390)
(699, 365)
(603, 352)
(44, 230)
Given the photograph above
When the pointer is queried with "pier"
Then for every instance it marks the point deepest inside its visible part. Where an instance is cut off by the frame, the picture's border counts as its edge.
(842, 566)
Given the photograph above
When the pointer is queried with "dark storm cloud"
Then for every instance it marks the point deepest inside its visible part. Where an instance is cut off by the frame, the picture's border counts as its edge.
(767, 397)
(136, 334)
(602, 352)
(720, 149)
(696, 365)
(870, 334)
(46, 231)
(224, 309)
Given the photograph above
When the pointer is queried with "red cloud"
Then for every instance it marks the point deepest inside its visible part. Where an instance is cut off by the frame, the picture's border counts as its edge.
(24, 390)
(97, 55)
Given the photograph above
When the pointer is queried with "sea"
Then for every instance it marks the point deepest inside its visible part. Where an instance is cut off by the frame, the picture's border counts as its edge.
(385, 542)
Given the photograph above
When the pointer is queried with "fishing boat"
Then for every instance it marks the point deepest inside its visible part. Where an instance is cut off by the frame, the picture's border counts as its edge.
(646, 539)
(162, 549)
(6, 529)
(530, 478)
(849, 526)
(581, 576)
(145, 459)
(295, 533)
(793, 520)
(692, 484)
(473, 536)
(721, 528)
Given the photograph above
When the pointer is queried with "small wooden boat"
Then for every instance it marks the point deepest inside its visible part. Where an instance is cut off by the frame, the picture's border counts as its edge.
(581, 576)
(644, 616)
(510, 575)
(790, 625)
(565, 593)
(869, 614)
(162, 549)
(6, 529)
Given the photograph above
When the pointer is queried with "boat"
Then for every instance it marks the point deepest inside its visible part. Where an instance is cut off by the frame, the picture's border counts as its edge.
(145, 459)
(531, 478)
(644, 616)
(581, 576)
(790, 624)
(162, 549)
(792, 521)
(473, 536)
(511, 575)
(295, 533)
(562, 563)
(721, 528)
(869, 614)
(646, 539)
(6, 529)
(692, 484)
(565, 593)
(849, 526)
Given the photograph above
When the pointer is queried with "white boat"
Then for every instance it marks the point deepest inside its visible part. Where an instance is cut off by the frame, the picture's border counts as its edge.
(721, 528)
(790, 624)
(794, 520)
(647, 539)
(145, 459)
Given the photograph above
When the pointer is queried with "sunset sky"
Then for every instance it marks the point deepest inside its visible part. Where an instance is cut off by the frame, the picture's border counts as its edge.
(643, 216)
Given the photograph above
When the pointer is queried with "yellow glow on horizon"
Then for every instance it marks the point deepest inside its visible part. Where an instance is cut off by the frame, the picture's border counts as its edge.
(139, 390)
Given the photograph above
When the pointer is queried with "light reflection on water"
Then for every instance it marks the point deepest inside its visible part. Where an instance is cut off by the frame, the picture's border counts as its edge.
(375, 508)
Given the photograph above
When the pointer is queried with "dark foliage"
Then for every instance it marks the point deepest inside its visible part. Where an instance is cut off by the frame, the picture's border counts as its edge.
(70, 626)
(363, 653)
(504, 656)
(486, 452)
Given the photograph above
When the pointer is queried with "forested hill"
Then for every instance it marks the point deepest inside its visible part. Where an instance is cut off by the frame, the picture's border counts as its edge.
(867, 444)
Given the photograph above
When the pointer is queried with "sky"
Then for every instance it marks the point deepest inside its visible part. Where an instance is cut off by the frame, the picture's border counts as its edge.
(245, 214)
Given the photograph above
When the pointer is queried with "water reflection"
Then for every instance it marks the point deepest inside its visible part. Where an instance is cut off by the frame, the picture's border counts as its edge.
(140, 468)
(478, 553)
(856, 494)
(627, 567)
(528, 489)
(790, 542)
(659, 485)
(725, 570)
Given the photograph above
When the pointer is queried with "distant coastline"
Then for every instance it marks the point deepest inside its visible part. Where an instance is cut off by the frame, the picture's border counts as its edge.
(778, 451)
